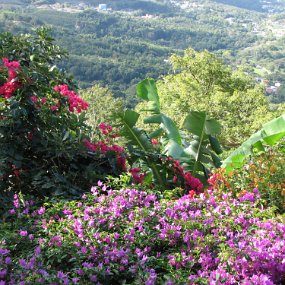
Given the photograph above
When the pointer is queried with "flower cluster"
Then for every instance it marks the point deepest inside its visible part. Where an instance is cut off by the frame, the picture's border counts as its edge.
(74, 101)
(138, 177)
(130, 236)
(8, 88)
(187, 180)
(107, 144)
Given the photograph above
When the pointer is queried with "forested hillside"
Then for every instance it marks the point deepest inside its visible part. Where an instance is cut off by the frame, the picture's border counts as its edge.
(132, 40)
(257, 5)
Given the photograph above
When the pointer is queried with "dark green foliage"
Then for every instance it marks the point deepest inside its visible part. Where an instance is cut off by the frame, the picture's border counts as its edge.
(41, 151)
(119, 50)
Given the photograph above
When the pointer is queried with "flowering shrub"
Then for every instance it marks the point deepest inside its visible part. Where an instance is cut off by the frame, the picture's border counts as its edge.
(265, 171)
(41, 124)
(12, 84)
(45, 145)
(130, 237)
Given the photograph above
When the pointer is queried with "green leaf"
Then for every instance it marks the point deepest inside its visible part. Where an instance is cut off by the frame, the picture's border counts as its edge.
(156, 133)
(130, 117)
(172, 148)
(147, 91)
(204, 145)
(66, 135)
(197, 122)
(134, 135)
(270, 133)
(215, 144)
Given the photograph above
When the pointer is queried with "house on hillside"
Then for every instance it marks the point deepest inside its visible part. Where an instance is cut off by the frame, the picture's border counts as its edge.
(102, 7)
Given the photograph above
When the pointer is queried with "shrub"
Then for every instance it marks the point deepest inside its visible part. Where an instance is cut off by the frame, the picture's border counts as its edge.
(42, 126)
(129, 237)
(264, 171)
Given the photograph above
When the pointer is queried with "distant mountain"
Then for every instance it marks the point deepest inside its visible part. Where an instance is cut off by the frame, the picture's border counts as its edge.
(133, 39)
(257, 5)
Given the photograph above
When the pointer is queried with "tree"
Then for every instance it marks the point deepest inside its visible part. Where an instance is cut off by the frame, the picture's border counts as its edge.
(102, 106)
(202, 82)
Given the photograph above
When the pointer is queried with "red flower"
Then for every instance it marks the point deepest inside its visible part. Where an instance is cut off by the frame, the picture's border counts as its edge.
(74, 101)
(191, 194)
(154, 141)
(137, 176)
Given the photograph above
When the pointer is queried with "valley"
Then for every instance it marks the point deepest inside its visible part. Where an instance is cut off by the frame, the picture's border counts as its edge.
(117, 44)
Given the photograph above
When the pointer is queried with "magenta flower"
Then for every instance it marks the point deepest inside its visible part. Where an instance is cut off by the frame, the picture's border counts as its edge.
(23, 233)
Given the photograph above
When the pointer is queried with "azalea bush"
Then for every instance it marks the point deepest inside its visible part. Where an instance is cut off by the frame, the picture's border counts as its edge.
(264, 171)
(43, 132)
(131, 237)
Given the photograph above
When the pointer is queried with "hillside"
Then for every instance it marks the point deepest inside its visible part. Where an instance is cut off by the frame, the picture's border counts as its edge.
(132, 40)
(257, 5)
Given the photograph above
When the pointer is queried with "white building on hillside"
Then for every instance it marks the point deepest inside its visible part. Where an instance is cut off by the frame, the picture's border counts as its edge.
(102, 7)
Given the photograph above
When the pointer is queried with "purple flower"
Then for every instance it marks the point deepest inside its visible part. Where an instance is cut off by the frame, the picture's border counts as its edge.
(23, 263)
(4, 251)
(8, 260)
(37, 251)
(23, 233)
(16, 201)
(12, 212)
(88, 265)
(75, 280)
(80, 272)
(60, 275)
(3, 273)
(248, 197)
(93, 278)
(84, 249)
(41, 210)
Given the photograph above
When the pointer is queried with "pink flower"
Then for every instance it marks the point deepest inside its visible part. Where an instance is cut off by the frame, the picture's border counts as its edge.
(34, 99)
(11, 64)
(41, 210)
(154, 141)
(54, 108)
(23, 233)
(138, 178)
(74, 101)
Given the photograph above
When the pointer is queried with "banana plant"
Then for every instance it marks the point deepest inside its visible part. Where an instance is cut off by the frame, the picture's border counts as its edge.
(147, 91)
(200, 153)
(270, 134)
(140, 146)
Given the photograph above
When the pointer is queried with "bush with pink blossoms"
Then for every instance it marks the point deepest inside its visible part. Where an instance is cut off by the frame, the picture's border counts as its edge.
(132, 237)
(42, 126)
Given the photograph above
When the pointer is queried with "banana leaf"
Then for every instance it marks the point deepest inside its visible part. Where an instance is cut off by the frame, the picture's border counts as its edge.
(270, 134)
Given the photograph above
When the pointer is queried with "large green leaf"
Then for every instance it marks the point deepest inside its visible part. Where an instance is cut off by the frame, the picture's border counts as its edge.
(204, 146)
(173, 149)
(147, 91)
(198, 123)
(134, 135)
(167, 125)
(270, 134)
